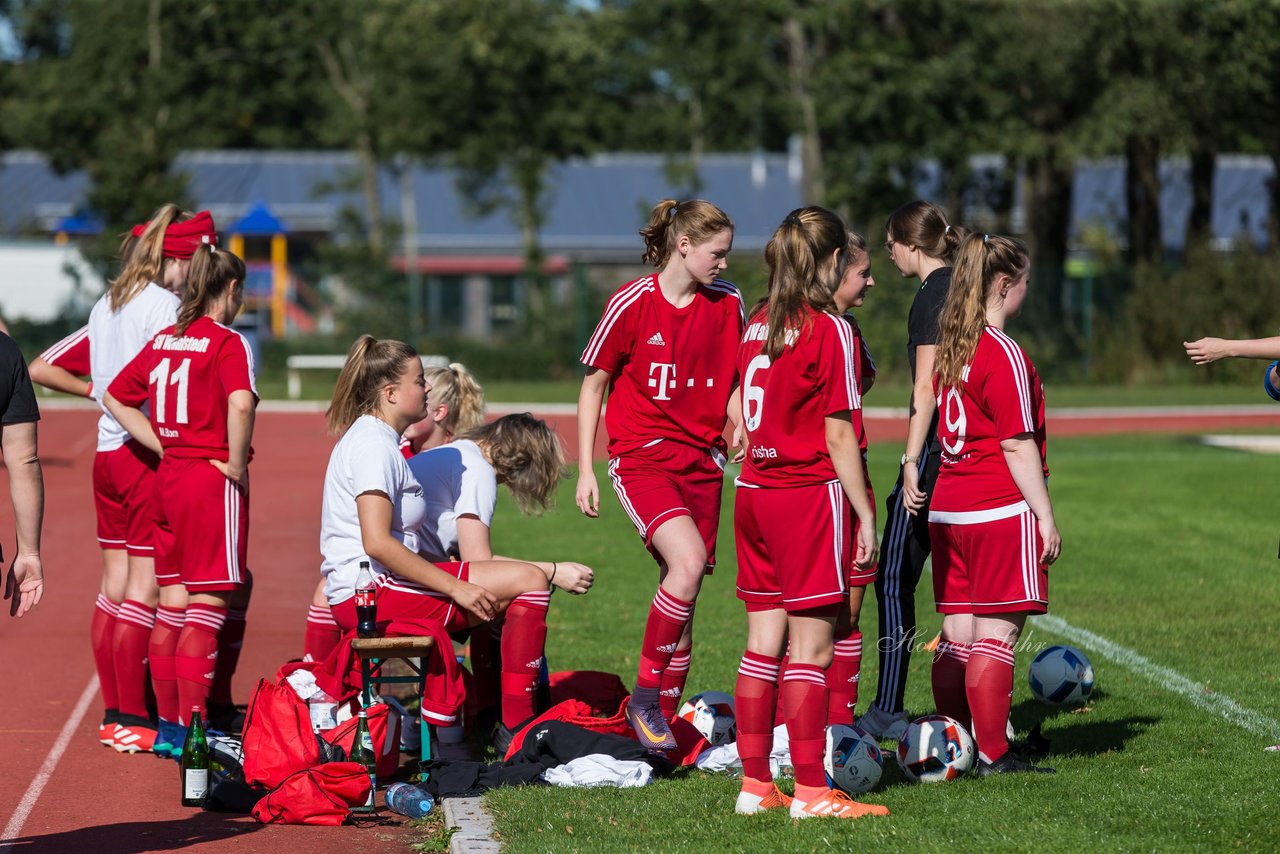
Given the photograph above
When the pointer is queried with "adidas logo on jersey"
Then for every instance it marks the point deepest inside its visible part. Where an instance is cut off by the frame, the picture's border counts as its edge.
(656, 340)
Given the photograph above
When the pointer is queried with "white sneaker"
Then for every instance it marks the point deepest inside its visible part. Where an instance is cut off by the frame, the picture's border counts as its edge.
(882, 725)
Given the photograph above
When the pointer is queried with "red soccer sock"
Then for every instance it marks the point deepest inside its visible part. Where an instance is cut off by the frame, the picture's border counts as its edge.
(803, 698)
(196, 659)
(102, 634)
(129, 648)
(842, 678)
(667, 618)
(161, 649)
(524, 640)
(989, 685)
(755, 697)
(322, 634)
(673, 681)
(950, 661)
(230, 640)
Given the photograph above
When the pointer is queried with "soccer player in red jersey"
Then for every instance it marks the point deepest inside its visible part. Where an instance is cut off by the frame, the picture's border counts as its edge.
(63, 366)
(664, 351)
(139, 303)
(803, 472)
(990, 521)
(197, 378)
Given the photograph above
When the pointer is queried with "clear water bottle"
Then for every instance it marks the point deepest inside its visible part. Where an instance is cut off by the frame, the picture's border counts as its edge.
(323, 709)
(409, 800)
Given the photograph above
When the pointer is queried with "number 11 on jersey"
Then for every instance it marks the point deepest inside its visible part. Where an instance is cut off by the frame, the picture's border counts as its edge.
(161, 379)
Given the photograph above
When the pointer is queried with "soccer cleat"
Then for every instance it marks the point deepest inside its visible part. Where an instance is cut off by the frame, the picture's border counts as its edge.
(169, 740)
(883, 726)
(1011, 764)
(107, 731)
(835, 804)
(134, 738)
(750, 803)
(650, 725)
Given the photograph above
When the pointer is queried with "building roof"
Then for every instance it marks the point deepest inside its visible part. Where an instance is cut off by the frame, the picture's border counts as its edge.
(594, 206)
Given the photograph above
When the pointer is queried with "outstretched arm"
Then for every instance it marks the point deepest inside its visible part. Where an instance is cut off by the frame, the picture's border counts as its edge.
(1209, 350)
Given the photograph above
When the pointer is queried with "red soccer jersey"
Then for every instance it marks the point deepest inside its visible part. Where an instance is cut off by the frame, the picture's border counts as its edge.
(71, 353)
(785, 403)
(187, 381)
(864, 369)
(671, 370)
(1000, 397)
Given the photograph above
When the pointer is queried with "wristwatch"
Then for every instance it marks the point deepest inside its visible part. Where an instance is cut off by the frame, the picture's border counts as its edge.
(907, 458)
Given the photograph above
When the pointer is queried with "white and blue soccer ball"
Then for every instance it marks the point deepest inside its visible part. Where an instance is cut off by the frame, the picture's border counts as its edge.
(1061, 676)
(711, 714)
(935, 749)
(853, 760)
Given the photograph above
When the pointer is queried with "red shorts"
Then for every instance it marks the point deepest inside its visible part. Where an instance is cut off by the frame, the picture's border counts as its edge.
(400, 598)
(989, 567)
(669, 479)
(123, 490)
(794, 546)
(204, 525)
(859, 577)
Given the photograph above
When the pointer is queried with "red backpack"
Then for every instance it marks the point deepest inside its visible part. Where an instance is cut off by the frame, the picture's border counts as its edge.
(323, 795)
(278, 740)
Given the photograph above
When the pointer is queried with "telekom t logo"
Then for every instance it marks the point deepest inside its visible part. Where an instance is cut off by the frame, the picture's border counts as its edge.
(665, 380)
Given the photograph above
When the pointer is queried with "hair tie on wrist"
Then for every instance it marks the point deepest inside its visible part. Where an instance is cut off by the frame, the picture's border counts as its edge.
(551, 582)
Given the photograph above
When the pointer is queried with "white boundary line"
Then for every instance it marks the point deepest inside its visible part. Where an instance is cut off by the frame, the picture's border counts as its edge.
(28, 802)
(1199, 695)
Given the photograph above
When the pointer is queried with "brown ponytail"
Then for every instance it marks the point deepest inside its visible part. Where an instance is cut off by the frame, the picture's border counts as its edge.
(371, 364)
(212, 272)
(807, 257)
(924, 225)
(981, 261)
(699, 219)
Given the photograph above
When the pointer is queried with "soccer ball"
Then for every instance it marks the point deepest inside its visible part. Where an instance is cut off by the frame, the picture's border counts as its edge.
(1061, 676)
(934, 749)
(853, 760)
(711, 714)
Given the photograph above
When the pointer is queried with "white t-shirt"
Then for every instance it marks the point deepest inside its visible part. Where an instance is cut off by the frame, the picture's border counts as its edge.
(456, 479)
(115, 337)
(366, 459)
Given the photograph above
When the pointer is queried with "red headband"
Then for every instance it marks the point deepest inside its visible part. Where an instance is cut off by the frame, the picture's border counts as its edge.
(182, 239)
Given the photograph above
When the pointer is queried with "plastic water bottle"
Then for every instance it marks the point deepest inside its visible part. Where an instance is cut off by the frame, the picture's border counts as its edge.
(323, 709)
(409, 800)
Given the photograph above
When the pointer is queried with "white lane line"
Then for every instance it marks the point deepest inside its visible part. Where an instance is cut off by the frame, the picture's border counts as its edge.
(1199, 695)
(28, 802)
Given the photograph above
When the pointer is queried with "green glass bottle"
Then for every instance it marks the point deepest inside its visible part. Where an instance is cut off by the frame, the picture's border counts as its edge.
(195, 763)
(362, 752)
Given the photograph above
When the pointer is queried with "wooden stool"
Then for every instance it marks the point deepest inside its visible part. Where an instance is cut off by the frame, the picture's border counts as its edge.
(373, 651)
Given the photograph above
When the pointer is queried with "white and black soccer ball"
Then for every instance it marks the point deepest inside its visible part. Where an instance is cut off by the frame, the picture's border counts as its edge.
(711, 714)
(853, 759)
(1061, 676)
(935, 749)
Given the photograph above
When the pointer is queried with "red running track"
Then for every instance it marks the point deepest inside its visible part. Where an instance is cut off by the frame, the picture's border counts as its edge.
(97, 800)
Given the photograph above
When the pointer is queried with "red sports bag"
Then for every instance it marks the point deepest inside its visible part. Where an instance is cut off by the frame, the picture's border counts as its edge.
(278, 740)
(323, 795)
(384, 730)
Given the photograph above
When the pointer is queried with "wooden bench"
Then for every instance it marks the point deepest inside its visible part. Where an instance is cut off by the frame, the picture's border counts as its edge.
(412, 650)
(334, 362)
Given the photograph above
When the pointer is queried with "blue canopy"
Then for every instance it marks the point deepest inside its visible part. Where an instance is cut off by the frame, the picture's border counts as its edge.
(258, 222)
(83, 222)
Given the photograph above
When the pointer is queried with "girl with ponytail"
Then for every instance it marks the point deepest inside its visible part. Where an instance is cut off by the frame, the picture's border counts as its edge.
(920, 242)
(804, 471)
(664, 352)
(196, 380)
(374, 510)
(991, 521)
(139, 302)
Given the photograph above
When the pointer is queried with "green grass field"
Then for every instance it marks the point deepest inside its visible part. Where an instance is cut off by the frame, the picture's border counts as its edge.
(1169, 551)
